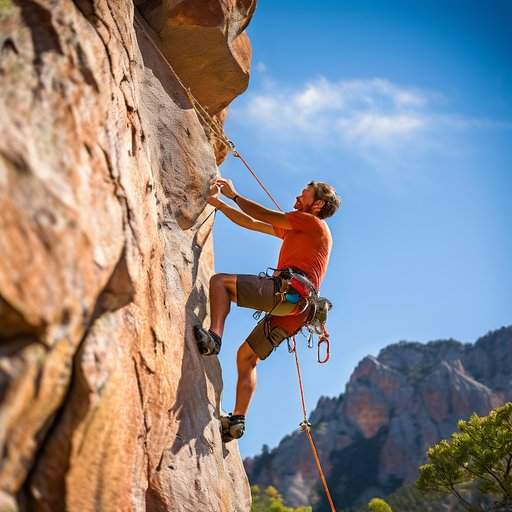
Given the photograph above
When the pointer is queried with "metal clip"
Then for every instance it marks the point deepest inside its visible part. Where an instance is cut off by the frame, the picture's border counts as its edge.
(323, 339)
(304, 425)
(310, 340)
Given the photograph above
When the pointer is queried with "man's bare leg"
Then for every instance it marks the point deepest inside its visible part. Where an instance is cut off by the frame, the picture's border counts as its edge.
(246, 361)
(222, 293)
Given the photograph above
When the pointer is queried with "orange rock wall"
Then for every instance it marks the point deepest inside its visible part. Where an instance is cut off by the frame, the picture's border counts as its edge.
(105, 403)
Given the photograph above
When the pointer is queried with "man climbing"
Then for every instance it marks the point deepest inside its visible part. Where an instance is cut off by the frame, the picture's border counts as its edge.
(304, 254)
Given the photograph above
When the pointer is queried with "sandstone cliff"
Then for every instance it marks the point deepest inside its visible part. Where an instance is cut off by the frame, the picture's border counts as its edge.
(105, 403)
(373, 437)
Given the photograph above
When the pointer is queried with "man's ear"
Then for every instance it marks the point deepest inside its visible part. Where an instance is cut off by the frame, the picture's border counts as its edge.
(318, 204)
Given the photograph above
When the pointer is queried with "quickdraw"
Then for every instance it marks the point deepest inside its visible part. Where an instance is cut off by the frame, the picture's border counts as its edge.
(294, 283)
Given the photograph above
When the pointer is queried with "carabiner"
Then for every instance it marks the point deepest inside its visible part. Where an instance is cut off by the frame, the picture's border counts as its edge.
(323, 339)
(291, 344)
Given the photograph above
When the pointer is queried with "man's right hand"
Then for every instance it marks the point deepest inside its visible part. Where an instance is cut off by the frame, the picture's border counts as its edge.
(214, 190)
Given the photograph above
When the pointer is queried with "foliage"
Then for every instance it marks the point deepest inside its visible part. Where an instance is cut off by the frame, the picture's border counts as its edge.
(271, 501)
(408, 498)
(378, 505)
(5, 7)
(481, 453)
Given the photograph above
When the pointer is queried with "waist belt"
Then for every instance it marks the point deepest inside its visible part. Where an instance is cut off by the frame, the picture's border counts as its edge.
(304, 280)
(294, 269)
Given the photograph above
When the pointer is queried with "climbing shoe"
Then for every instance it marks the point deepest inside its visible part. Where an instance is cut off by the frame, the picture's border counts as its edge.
(233, 427)
(208, 342)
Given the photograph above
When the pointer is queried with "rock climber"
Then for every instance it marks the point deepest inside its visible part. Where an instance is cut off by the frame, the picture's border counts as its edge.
(305, 251)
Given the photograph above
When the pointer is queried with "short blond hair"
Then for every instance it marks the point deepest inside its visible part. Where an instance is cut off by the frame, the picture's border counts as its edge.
(327, 193)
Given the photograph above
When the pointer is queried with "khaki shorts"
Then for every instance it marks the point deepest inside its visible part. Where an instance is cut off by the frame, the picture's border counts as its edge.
(259, 293)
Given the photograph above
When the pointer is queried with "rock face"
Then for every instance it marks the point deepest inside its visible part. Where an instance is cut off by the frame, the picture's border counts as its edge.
(372, 438)
(206, 43)
(208, 48)
(105, 403)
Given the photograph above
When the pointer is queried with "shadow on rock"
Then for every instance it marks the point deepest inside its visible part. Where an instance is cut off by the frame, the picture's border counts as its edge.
(194, 408)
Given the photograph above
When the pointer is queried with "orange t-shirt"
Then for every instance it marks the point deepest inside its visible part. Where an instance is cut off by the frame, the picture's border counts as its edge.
(307, 246)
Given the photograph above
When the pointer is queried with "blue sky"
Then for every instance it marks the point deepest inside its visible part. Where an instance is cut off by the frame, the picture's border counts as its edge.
(405, 107)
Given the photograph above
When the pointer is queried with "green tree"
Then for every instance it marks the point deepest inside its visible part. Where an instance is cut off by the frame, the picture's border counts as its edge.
(271, 501)
(480, 454)
(378, 505)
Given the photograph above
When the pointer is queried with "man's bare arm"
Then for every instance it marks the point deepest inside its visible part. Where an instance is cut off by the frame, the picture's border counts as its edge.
(252, 208)
(263, 214)
(242, 219)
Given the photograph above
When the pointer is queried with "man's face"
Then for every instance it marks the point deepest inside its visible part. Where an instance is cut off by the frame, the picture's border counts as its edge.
(305, 200)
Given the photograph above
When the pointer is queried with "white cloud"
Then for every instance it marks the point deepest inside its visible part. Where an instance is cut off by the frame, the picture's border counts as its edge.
(393, 128)
(377, 129)
(365, 112)
(260, 67)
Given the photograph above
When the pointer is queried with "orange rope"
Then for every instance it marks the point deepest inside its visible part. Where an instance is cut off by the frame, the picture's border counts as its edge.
(260, 183)
(305, 426)
(322, 477)
(204, 116)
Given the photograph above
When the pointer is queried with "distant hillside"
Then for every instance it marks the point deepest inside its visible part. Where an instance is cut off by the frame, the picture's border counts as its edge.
(373, 437)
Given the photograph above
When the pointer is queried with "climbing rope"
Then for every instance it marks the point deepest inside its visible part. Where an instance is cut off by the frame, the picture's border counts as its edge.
(260, 183)
(305, 425)
(205, 117)
(218, 132)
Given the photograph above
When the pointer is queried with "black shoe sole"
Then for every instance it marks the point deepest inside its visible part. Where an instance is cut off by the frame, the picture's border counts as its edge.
(206, 344)
(225, 426)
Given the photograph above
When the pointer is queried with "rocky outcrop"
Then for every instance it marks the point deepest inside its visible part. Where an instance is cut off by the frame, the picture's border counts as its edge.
(206, 43)
(372, 438)
(104, 172)
(208, 48)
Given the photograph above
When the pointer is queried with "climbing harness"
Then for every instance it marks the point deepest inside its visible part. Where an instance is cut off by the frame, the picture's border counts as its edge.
(293, 288)
(319, 305)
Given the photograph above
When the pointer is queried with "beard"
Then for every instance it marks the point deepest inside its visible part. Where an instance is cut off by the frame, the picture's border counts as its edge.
(301, 207)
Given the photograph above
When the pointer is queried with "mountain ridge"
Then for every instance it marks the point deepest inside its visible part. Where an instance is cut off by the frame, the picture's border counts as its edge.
(373, 436)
